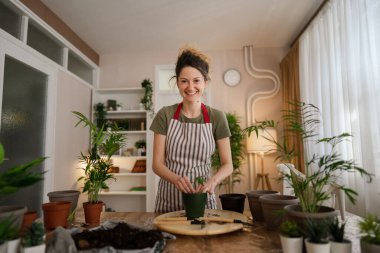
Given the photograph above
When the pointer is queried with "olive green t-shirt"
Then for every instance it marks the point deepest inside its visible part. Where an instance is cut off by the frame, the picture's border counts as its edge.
(218, 119)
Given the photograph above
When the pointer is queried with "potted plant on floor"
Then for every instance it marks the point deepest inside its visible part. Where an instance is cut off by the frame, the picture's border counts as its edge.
(338, 243)
(12, 180)
(232, 201)
(97, 162)
(370, 238)
(291, 237)
(195, 203)
(33, 240)
(316, 233)
(322, 170)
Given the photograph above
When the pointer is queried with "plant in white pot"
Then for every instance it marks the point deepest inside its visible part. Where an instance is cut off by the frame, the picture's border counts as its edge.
(338, 243)
(291, 237)
(97, 162)
(316, 236)
(370, 234)
(33, 239)
(321, 170)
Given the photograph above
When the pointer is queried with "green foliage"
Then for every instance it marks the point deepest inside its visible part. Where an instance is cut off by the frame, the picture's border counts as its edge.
(316, 230)
(100, 114)
(290, 229)
(96, 165)
(321, 170)
(7, 229)
(140, 143)
(336, 230)
(370, 229)
(199, 181)
(34, 235)
(237, 154)
(147, 100)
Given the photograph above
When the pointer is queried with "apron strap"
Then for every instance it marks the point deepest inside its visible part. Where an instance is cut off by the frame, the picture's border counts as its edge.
(206, 117)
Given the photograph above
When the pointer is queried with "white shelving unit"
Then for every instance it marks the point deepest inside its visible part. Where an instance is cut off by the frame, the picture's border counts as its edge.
(122, 195)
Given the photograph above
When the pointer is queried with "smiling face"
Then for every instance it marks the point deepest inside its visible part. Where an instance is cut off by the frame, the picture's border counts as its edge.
(191, 84)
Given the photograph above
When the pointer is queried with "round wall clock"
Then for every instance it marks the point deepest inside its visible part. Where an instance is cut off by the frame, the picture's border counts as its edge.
(231, 77)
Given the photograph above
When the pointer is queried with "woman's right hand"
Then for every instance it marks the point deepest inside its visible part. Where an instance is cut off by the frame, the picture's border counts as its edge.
(184, 185)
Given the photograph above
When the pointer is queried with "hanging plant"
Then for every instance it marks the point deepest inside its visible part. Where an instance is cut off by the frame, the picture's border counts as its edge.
(148, 96)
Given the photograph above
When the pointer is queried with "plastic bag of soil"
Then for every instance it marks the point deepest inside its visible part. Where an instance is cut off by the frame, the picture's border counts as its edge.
(110, 237)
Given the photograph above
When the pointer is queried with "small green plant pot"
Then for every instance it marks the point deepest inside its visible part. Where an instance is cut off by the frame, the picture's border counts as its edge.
(195, 204)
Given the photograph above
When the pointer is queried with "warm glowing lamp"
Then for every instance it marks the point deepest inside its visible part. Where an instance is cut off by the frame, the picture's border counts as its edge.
(261, 145)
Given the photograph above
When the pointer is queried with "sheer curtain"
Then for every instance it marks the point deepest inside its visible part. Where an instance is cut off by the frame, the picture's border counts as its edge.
(340, 73)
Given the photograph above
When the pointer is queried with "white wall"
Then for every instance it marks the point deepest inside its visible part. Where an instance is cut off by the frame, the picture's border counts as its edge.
(128, 69)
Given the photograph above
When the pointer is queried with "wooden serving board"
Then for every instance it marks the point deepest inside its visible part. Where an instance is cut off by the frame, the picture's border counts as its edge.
(210, 228)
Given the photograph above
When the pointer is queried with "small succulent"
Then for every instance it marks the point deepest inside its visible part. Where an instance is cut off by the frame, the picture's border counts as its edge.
(34, 235)
(337, 230)
(290, 229)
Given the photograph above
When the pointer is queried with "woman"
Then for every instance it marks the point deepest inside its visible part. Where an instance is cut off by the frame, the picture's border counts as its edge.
(185, 135)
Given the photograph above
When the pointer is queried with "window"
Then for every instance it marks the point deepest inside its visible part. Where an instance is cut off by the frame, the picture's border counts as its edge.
(10, 20)
(80, 68)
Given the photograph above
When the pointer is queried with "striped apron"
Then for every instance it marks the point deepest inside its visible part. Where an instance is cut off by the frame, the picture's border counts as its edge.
(189, 147)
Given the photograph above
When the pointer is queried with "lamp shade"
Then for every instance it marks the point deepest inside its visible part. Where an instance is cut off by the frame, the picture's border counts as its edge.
(262, 144)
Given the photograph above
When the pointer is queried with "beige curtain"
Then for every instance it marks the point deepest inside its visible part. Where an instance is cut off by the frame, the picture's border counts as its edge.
(291, 92)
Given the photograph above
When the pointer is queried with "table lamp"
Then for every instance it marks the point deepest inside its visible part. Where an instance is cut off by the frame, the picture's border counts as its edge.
(261, 145)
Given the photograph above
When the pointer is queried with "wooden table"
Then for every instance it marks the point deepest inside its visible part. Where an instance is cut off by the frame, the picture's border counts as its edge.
(253, 239)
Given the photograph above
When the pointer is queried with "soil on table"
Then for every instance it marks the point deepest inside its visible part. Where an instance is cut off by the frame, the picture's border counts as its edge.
(121, 237)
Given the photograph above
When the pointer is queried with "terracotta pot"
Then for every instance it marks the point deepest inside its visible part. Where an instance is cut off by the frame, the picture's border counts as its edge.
(255, 205)
(195, 204)
(294, 213)
(56, 214)
(16, 212)
(233, 202)
(92, 212)
(27, 221)
(70, 195)
(273, 209)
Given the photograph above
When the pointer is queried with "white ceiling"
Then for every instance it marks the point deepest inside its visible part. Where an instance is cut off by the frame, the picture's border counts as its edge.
(111, 26)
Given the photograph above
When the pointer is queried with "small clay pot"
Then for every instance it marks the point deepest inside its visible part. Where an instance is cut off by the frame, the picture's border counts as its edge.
(56, 214)
(69, 195)
(195, 204)
(233, 202)
(92, 212)
(27, 221)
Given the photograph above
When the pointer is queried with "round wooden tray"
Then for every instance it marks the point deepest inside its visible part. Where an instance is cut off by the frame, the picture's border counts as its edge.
(209, 228)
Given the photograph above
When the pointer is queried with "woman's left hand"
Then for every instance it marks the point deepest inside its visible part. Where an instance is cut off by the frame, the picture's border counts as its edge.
(209, 186)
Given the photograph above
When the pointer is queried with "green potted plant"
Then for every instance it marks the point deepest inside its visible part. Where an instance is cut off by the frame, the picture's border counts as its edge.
(33, 240)
(96, 163)
(232, 201)
(338, 242)
(291, 237)
(195, 203)
(370, 234)
(140, 145)
(11, 180)
(321, 170)
(100, 114)
(147, 100)
(316, 233)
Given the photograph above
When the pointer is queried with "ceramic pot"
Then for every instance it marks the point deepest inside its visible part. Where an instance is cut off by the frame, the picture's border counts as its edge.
(92, 212)
(317, 247)
(233, 202)
(34, 249)
(13, 246)
(56, 214)
(16, 212)
(195, 204)
(291, 244)
(294, 213)
(255, 205)
(273, 209)
(341, 247)
(27, 221)
(368, 247)
(70, 195)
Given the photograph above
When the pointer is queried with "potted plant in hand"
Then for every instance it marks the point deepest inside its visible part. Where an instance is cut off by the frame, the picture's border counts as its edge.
(316, 233)
(322, 170)
(338, 243)
(33, 240)
(370, 230)
(97, 162)
(232, 201)
(291, 237)
(195, 203)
